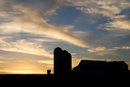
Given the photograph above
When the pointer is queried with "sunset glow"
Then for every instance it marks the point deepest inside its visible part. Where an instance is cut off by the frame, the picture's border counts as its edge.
(89, 29)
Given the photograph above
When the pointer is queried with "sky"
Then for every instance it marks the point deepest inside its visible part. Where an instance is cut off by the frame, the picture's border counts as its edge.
(89, 29)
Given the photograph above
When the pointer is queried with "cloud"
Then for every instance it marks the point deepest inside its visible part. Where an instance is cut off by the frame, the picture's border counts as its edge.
(30, 20)
(121, 22)
(104, 50)
(20, 63)
(100, 6)
(107, 8)
(2, 62)
(29, 55)
(99, 49)
(23, 46)
(46, 62)
(122, 48)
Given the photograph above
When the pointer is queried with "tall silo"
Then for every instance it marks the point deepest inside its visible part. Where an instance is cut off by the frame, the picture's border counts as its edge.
(62, 62)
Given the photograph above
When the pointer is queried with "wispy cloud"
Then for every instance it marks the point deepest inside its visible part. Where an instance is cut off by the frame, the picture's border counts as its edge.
(46, 62)
(120, 22)
(107, 8)
(104, 50)
(23, 63)
(99, 49)
(23, 55)
(23, 46)
(30, 20)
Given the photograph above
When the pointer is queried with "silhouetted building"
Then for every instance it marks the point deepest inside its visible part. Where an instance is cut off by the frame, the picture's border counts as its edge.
(88, 67)
(62, 62)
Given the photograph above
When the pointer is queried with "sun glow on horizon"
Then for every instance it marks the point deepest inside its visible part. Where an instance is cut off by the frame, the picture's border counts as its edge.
(24, 72)
(24, 68)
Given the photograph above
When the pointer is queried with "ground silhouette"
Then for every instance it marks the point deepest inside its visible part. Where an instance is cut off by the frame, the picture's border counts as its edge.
(87, 71)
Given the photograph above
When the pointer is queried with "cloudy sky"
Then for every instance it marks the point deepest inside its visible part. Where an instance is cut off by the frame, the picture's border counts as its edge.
(88, 29)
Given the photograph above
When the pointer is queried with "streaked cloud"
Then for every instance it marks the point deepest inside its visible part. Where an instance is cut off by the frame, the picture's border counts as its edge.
(23, 46)
(99, 49)
(123, 48)
(30, 20)
(46, 62)
(108, 8)
(2, 62)
(104, 50)
(121, 22)
(23, 63)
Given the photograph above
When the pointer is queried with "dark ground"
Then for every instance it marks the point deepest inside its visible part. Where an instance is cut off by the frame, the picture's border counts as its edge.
(65, 80)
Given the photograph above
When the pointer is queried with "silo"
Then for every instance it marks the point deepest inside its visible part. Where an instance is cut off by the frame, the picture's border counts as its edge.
(62, 62)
